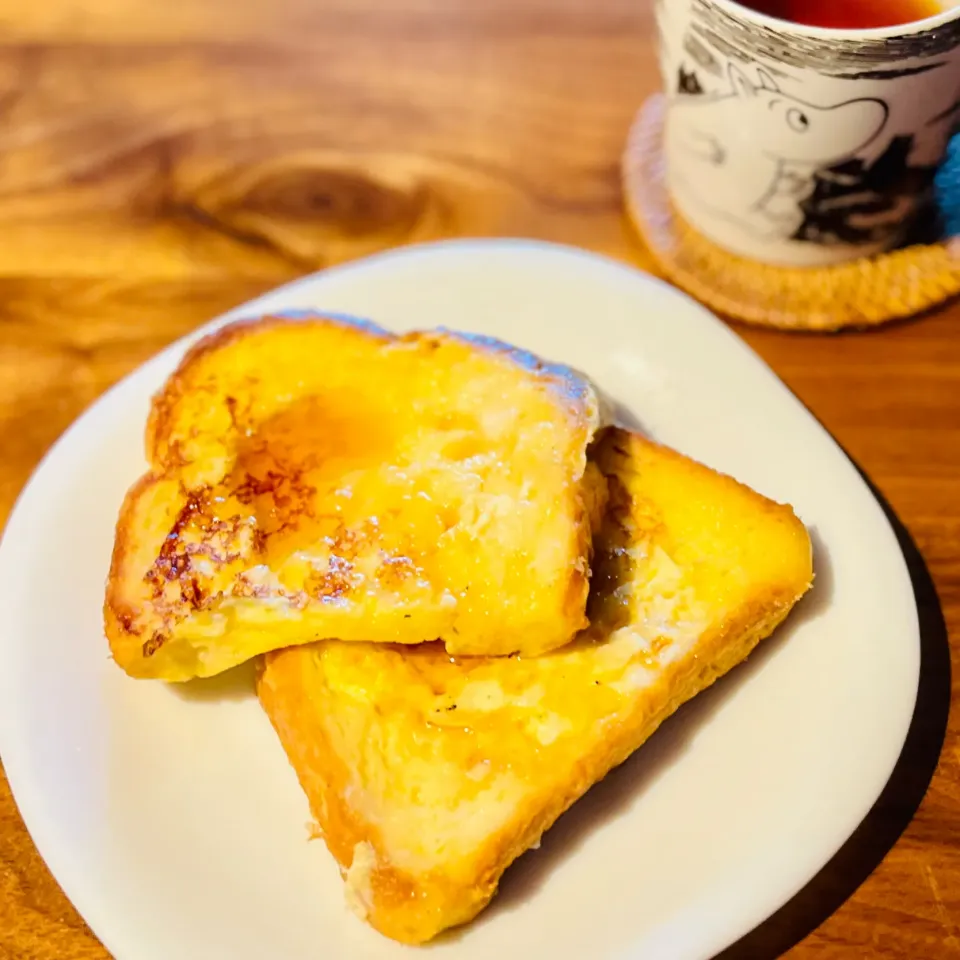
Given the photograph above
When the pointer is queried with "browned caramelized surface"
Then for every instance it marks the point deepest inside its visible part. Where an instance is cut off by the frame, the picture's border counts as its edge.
(316, 478)
(429, 774)
(164, 162)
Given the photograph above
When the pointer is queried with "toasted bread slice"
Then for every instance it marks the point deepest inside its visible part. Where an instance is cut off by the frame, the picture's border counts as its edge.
(316, 477)
(428, 775)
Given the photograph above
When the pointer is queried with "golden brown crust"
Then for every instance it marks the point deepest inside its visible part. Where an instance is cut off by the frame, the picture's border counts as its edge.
(161, 431)
(731, 565)
(248, 442)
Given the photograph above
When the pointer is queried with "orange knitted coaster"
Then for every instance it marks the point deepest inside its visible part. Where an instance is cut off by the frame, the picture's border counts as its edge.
(860, 293)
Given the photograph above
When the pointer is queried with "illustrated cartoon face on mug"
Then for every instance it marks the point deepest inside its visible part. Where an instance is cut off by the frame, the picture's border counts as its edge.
(779, 138)
(803, 146)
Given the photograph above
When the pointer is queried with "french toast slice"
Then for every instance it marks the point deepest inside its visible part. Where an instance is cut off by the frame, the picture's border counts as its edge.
(429, 774)
(317, 477)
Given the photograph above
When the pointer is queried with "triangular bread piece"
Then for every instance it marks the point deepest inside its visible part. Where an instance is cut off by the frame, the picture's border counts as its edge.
(429, 775)
(314, 477)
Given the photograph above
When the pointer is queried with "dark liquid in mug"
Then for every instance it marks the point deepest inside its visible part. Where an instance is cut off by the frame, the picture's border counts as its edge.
(847, 14)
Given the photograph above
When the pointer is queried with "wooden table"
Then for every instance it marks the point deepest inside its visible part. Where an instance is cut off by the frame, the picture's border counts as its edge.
(161, 162)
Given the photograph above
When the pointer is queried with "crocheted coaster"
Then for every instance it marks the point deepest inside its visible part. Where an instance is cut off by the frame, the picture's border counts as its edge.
(859, 293)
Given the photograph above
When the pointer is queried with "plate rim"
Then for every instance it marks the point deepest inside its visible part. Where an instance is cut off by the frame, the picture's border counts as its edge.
(16, 772)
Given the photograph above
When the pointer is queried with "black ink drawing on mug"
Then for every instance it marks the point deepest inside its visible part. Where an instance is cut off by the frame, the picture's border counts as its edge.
(859, 202)
(760, 180)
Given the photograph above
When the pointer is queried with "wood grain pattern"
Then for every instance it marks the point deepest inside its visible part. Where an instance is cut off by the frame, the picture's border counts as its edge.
(160, 163)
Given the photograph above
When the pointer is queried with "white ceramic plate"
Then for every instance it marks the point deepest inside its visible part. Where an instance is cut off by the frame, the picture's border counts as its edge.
(170, 815)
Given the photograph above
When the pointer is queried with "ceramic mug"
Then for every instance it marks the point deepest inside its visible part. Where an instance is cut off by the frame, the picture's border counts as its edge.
(800, 145)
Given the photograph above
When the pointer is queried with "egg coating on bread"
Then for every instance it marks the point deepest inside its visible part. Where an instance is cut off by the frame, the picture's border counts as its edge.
(316, 477)
(429, 774)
